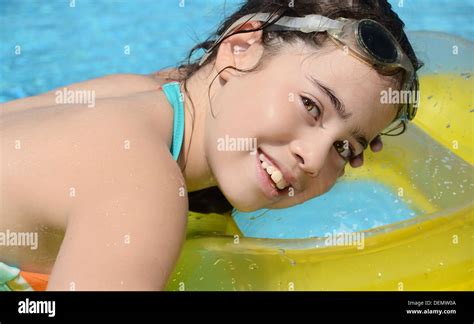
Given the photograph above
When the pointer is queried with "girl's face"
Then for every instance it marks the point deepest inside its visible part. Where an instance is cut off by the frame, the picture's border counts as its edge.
(307, 114)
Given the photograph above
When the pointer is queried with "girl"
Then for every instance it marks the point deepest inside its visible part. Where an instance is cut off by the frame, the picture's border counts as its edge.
(105, 185)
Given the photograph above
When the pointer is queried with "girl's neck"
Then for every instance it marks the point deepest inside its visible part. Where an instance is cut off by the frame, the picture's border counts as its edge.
(197, 172)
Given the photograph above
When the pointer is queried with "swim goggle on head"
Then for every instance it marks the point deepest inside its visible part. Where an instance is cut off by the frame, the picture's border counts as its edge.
(365, 39)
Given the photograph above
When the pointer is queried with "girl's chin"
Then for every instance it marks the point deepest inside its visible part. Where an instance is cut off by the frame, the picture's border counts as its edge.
(242, 189)
(245, 202)
(247, 206)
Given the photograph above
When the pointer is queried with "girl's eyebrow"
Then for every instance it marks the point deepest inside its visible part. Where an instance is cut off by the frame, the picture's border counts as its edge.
(341, 110)
(338, 105)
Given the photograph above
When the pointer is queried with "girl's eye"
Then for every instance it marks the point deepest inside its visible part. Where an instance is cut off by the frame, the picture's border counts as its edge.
(344, 149)
(311, 107)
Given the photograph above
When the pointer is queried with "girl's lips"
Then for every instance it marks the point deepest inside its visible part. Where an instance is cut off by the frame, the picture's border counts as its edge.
(266, 184)
(289, 178)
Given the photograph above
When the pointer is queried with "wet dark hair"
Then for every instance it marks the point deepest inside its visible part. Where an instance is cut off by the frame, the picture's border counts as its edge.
(212, 199)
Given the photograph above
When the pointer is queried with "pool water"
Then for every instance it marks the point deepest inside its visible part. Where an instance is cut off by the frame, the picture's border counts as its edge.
(48, 44)
(60, 44)
(349, 206)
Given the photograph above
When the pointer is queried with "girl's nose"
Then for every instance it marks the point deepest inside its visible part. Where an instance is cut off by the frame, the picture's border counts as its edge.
(312, 155)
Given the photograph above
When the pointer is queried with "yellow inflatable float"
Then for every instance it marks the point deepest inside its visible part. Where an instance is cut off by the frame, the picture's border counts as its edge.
(432, 162)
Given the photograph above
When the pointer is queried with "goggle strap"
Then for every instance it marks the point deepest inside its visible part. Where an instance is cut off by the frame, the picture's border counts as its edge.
(307, 24)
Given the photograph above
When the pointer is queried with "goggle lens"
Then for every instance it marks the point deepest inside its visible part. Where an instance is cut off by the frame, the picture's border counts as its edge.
(377, 41)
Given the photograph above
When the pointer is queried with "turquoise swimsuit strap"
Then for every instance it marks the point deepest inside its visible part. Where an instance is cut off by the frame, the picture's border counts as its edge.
(173, 93)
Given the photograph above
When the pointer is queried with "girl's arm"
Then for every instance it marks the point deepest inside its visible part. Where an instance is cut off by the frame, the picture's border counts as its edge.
(125, 221)
(129, 233)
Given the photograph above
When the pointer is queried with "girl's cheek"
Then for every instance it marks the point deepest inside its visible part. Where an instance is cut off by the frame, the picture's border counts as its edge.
(336, 162)
(336, 168)
(329, 175)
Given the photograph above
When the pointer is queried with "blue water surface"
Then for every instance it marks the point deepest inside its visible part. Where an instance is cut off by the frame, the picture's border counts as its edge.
(61, 44)
(349, 206)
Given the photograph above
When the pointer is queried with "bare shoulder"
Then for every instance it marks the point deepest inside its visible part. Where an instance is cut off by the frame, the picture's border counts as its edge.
(71, 151)
(104, 176)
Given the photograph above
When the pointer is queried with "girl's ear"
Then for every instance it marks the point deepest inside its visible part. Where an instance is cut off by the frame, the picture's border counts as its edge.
(242, 51)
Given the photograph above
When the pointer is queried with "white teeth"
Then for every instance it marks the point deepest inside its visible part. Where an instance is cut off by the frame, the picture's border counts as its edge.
(281, 185)
(270, 170)
(273, 172)
(277, 176)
